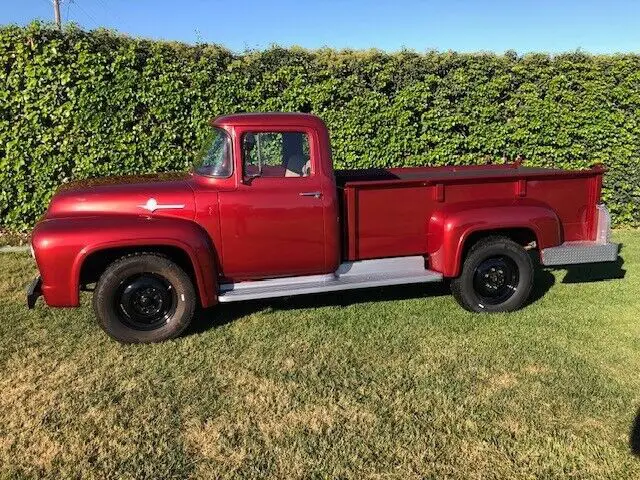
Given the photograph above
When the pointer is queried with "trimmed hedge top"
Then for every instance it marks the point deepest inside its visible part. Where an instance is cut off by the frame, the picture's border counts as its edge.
(83, 104)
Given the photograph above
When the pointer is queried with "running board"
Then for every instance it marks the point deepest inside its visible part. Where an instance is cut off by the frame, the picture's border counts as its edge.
(350, 275)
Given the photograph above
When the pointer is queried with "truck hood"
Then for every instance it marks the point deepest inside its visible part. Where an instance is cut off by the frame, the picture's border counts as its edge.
(151, 195)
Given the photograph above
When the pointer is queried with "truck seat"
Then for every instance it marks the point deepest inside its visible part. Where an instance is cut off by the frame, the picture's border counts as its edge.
(298, 166)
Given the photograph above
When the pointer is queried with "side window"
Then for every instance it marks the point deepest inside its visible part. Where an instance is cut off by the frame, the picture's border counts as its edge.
(276, 154)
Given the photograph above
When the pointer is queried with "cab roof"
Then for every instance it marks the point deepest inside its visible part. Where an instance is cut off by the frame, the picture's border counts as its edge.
(267, 119)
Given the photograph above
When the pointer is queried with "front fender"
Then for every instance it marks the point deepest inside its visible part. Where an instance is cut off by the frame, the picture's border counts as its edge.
(450, 227)
(61, 245)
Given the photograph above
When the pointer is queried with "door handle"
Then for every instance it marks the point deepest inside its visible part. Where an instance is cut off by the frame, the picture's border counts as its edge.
(311, 194)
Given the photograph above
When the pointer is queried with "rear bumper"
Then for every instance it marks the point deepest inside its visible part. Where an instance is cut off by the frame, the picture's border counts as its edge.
(34, 291)
(572, 253)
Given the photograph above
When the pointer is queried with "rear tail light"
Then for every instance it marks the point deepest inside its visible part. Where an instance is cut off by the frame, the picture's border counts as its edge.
(603, 226)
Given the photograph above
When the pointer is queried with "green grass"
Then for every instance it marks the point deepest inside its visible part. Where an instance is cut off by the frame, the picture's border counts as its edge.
(387, 383)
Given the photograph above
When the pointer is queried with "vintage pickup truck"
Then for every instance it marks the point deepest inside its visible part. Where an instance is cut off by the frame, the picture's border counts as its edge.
(263, 214)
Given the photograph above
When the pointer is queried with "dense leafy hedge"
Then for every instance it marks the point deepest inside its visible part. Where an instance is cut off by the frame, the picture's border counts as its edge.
(78, 104)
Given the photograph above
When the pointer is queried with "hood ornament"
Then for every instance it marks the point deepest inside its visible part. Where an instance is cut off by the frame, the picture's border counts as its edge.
(152, 205)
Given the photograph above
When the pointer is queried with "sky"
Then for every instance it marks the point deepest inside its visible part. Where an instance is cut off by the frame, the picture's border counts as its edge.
(605, 26)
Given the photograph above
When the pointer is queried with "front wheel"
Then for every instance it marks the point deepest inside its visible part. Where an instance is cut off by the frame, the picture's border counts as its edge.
(497, 276)
(144, 298)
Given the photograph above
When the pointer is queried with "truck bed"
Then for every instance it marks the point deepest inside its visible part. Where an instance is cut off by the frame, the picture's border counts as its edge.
(386, 212)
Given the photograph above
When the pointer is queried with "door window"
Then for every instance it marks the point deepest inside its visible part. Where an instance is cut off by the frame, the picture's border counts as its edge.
(276, 154)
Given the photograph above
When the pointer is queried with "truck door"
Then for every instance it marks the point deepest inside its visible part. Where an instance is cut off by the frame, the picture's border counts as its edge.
(273, 224)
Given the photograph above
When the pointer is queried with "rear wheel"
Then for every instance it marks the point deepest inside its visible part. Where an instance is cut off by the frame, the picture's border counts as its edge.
(497, 276)
(144, 298)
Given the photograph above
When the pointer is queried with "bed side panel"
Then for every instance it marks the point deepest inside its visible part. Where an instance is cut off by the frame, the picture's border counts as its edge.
(391, 219)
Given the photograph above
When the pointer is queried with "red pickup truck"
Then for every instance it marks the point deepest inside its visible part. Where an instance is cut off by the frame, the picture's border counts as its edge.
(263, 214)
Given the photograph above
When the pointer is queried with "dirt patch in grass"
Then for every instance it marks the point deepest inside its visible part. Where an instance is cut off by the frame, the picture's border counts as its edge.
(28, 442)
(268, 412)
(209, 440)
(534, 370)
(498, 382)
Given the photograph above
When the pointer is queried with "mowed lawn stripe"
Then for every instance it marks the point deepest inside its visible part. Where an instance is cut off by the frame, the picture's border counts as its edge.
(385, 383)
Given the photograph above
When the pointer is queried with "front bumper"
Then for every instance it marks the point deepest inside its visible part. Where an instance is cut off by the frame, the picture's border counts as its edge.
(34, 291)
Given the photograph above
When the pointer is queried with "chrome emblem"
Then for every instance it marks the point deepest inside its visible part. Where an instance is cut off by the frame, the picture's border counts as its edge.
(152, 205)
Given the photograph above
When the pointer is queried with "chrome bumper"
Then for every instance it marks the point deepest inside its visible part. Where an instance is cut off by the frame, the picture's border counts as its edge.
(572, 253)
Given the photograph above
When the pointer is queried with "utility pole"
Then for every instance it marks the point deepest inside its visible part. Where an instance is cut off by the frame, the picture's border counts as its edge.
(56, 13)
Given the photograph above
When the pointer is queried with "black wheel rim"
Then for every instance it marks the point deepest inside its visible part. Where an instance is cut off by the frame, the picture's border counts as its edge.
(495, 280)
(146, 301)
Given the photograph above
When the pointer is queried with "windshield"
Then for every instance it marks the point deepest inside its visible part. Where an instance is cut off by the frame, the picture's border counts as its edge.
(214, 159)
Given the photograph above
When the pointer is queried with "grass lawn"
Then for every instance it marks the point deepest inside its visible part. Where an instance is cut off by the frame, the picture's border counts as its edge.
(386, 383)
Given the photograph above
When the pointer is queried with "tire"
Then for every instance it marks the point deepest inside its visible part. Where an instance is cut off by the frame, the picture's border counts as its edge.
(144, 298)
(497, 276)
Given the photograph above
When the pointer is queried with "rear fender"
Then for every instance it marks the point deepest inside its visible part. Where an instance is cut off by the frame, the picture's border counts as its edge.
(449, 228)
(61, 246)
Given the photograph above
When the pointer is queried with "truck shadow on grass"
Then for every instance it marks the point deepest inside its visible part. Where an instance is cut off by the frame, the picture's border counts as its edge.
(634, 436)
(223, 314)
(595, 272)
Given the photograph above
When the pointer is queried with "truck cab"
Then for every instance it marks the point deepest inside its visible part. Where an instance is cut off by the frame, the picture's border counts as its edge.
(270, 181)
(263, 214)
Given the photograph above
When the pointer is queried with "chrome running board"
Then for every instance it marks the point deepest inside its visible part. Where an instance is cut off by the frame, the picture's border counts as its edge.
(350, 275)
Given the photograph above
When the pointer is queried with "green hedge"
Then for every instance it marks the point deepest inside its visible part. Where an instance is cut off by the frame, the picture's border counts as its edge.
(78, 104)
